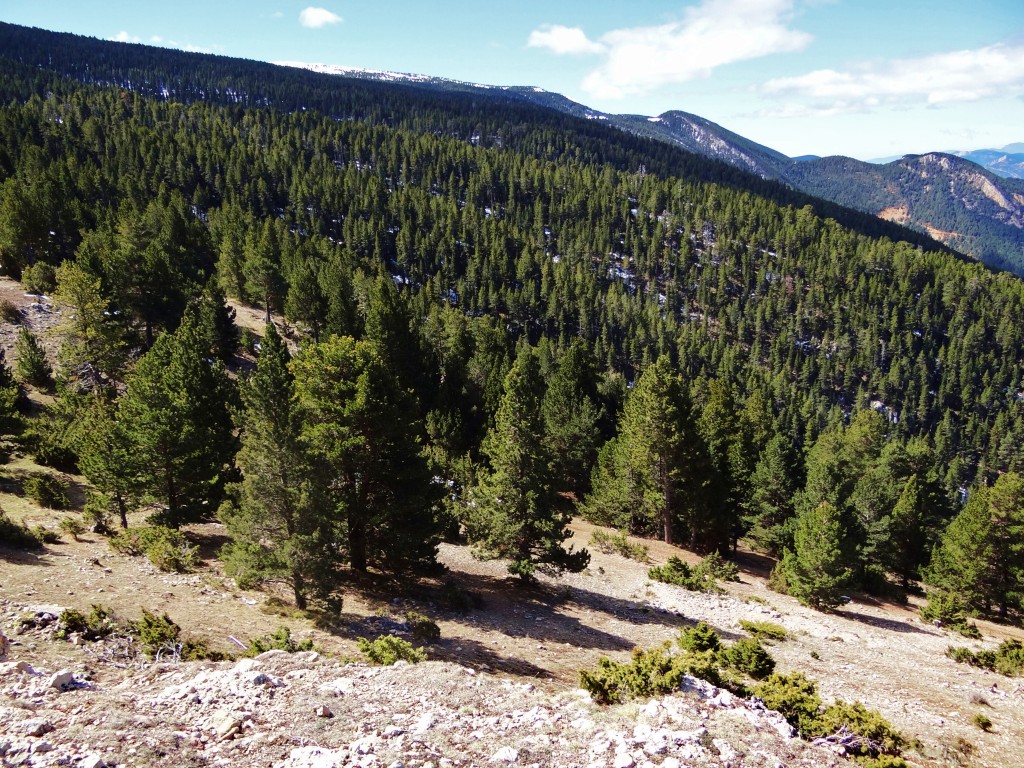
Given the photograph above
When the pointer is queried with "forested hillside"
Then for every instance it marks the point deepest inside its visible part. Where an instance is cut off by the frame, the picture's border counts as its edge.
(487, 310)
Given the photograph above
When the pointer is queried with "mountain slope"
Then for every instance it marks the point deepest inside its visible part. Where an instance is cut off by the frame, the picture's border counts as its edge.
(1004, 162)
(954, 200)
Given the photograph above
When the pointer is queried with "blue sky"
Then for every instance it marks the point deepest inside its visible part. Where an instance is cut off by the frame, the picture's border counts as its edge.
(867, 78)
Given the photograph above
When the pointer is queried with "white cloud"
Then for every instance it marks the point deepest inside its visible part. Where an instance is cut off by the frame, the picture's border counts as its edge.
(709, 35)
(940, 78)
(563, 40)
(315, 18)
(125, 37)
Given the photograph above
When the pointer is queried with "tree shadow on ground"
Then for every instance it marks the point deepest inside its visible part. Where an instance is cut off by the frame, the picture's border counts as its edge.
(23, 556)
(209, 541)
(892, 625)
(476, 655)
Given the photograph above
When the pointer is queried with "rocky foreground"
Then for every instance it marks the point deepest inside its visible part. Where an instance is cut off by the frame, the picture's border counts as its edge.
(304, 710)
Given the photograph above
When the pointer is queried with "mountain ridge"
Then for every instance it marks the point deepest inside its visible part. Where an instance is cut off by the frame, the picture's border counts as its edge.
(981, 215)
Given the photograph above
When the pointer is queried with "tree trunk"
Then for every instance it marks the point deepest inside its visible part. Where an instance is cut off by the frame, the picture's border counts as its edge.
(357, 544)
(298, 587)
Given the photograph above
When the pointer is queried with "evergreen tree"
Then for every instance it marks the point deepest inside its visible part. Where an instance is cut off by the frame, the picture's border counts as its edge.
(282, 529)
(513, 511)
(663, 463)
(217, 322)
(571, 415)
(175, 414)
(770, 507)
(362, 425)
(31, 364)
(907, 531)
(980, 557)
(107, 457)
(814, 568)
(93, 350)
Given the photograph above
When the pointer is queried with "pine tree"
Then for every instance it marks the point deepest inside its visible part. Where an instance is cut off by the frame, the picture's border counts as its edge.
(175, 414)
(30, 364)
(663, 463)
(362, 425)
(282, 529)
(93, 349)
(770, 507)
(571, 414)
(107, 457)
(980, 557)
(907, 531)
(513, 511)
(814, 568)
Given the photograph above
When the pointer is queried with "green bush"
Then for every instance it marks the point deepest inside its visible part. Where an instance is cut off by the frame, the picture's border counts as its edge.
(40, 278)
(95, 625)
(717, 567)
(876, 734)
(649, 672)
(422, 628)
(1007, 659)
(699, 638)
(951, 611)
(796, 697)
(765, 630)
(160, 637)
(46, 490)
(17, 535)
(30, 363)
(166, 548)
(72, 526)
(281, 640)
(45, 535)
(749, 657)
(387, 649)
(619, 544)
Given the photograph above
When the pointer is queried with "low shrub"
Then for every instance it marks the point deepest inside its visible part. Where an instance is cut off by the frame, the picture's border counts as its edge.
(30, 363)
(876, 736)
(160, 638)
(699, 638)
(777, 580)
(866, 734)
(982, 722)
(703, 577)
(717, 567)
(1007, 659)
(72, 526)
(17, 535)
(649, 673)
(765, 630)
(423, 628)
(166, 548)
(95, 625)
(749, 657)
(619, 544)
(795, 697)
(40, 278)
(46, 490)
(45, 535)
(280, 640)
(387, 649)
